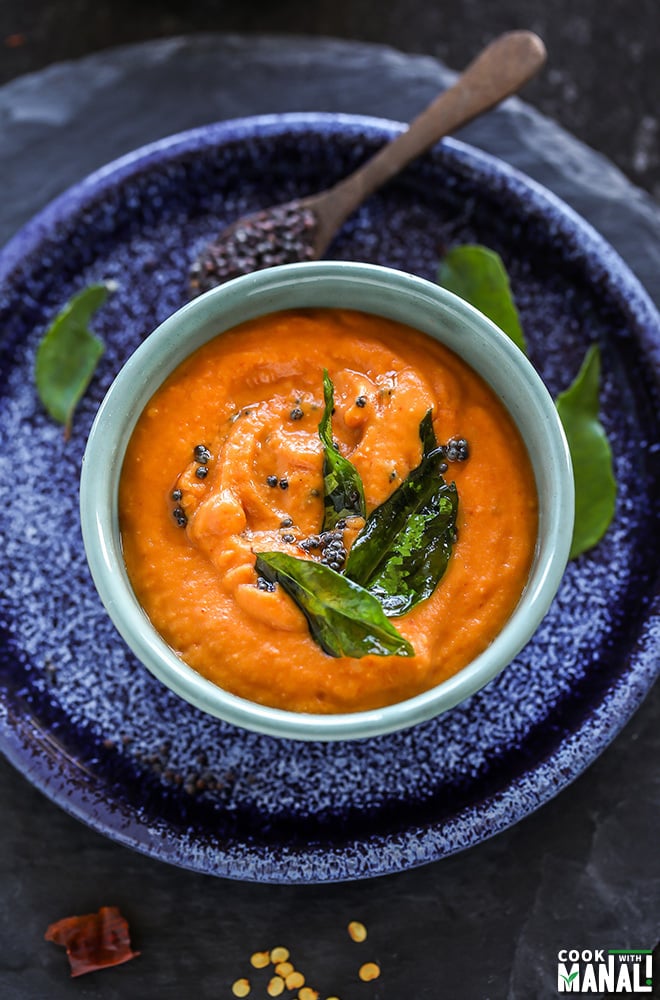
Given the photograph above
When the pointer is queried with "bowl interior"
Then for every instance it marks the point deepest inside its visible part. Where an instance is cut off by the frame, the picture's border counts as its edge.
(370, 288)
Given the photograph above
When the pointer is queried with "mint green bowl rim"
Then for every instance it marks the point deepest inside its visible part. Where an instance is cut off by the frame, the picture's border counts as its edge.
(370, 288)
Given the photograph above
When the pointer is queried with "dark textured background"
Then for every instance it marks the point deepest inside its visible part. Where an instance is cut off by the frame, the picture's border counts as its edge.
(483, 925)
(602, 81)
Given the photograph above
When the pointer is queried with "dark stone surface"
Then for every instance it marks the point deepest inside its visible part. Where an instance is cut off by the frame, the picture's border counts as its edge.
(486, 924)
(602, 81)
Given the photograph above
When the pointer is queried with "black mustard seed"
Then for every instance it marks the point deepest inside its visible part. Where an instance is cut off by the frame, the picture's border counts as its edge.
(279, 235)
(457, 449)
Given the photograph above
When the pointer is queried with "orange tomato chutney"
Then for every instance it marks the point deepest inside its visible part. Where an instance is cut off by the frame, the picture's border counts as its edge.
(253, 397)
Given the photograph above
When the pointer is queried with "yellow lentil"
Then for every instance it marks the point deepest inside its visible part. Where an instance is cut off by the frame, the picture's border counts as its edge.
(306, 993)
(357, 931)
(260, 959)
(369, 971)
(275, 986)
(284, 969)
(279, 955)
(241, 988)
(294, 980)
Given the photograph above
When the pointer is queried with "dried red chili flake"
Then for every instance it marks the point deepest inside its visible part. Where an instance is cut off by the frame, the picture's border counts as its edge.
(94, 941)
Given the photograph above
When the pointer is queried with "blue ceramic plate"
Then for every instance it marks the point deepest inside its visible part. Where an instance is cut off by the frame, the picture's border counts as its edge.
(99, 735)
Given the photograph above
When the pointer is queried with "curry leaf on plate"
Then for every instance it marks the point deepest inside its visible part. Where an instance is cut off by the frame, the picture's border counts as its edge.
(343, 493)
(478, 275)
(343, 618)
(595, 486)
(68, 355)
(405, 546)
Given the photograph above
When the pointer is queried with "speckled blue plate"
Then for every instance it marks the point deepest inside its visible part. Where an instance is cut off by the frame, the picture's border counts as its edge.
(99, 735)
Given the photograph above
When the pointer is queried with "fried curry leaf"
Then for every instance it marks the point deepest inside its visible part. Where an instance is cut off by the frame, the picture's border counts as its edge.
(478, 275)
(68, 355)
(344, 619)
(595, 486)
(405, 546)
(427, 434)
(343, 493)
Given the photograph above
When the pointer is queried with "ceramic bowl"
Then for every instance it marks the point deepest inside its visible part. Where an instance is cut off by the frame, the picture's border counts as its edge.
(386, 292)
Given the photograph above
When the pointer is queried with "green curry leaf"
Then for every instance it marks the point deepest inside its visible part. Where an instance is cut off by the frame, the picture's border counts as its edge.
(68, 355)
(343, 493)
(595, 485)
(405, 546)
(427, 434)
(478, 275)
(343, 618)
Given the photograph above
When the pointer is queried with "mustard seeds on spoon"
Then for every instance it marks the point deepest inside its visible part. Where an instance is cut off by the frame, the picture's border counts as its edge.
(282, 235)
(301, 230)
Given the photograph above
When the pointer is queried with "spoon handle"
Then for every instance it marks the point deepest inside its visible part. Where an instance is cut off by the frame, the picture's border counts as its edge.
(497, 72)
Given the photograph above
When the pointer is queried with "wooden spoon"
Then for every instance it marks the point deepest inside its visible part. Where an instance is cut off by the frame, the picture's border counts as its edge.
(303, 229)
